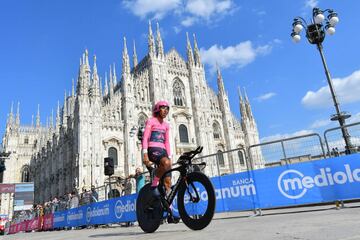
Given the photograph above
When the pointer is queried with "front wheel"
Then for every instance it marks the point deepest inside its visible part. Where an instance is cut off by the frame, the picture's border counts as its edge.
(196, 201)
(149, 210)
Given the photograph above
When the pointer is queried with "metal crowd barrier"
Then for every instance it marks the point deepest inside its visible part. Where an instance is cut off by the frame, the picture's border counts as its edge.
(335, 143)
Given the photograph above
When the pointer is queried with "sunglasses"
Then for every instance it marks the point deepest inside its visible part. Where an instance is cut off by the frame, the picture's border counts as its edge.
(164, 107)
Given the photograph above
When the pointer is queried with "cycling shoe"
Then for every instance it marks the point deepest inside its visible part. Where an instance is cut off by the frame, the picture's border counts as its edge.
(173, 219)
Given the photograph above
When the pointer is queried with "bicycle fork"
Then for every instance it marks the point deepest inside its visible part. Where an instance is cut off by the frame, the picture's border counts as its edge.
(195, 199)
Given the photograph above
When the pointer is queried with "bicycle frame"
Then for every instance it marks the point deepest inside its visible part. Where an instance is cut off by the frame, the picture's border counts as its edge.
(182, 169)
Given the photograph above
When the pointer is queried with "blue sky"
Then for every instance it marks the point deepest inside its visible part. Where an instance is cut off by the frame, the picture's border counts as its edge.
(41, 43)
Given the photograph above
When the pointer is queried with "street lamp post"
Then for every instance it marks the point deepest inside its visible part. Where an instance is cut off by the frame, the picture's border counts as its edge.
(315, 33)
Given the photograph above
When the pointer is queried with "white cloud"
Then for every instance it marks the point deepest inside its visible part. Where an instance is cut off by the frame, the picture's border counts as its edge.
(311, 3)
(187, 22)
(286, 135)
(177, 29)
(259, 12)
(266, 96)
(277, 41)
(188, 11)
(239, 55)
(157, 8)
(354, 118)
(206, 8)
(320, 123)
(347, 90)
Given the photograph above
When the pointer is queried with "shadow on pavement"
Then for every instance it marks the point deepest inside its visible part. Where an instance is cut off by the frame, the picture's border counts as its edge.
(285, 211)
(131, 234)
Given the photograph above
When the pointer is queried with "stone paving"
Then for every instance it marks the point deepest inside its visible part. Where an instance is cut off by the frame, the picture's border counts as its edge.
(310, 223)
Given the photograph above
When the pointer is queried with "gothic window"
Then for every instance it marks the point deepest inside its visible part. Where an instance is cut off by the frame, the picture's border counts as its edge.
(220, 158)
(26, 140)
(183, 132)
(25, 174)
(112, 153)
(241, 158)
(179, 93)
(146, 93)
(216, 130)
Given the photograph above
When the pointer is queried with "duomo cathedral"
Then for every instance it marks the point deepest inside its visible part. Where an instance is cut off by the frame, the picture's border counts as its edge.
(99, 120)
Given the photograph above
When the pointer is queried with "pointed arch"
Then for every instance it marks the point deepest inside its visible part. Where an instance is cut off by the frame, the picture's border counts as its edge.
(25, 173)
(216, 130)
(178, 92)
(241, 158)
(220, 158)
(113, 153)
(183, 133)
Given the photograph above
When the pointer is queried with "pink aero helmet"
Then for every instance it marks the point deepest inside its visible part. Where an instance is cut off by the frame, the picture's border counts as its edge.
(159, 104)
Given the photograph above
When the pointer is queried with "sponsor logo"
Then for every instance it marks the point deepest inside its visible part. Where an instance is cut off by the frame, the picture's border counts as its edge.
(88, 214)
(121, 208)
(97, 212)
(75, 216)
(59, 219)
(294, 184)
(240, 188)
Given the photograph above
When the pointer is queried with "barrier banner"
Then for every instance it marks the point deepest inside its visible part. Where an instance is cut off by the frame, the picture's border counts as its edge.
(23, 225)
(232, 192)
(76, 217)
(12, 228)
(309, 182)
(124, 209)
(15, 228)
(59, 219)
(18, 227)
(48, 221)
(301, 183)
(33, 224)
(115, 210)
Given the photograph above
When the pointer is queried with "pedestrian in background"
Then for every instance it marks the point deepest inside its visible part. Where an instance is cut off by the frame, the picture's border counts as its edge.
(139, 178)
(94, 194)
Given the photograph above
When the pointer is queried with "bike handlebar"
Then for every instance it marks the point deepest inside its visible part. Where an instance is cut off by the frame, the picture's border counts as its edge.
(191, 154)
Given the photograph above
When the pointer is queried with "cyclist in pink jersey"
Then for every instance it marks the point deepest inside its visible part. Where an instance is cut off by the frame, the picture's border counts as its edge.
(155, 143)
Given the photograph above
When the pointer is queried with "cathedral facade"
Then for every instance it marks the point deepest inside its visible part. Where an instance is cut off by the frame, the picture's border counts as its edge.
(95, 122)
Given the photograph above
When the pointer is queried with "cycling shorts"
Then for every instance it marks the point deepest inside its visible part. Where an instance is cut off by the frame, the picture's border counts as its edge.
(156, 154)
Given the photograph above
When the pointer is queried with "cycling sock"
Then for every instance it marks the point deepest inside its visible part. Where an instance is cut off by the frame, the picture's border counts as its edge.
(155, 182)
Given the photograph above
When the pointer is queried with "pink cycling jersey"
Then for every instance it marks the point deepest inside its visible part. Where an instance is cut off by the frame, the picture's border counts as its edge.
(156, 134)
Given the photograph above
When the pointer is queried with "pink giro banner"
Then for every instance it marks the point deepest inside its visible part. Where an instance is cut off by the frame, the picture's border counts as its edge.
(33, 224)
(48, 221)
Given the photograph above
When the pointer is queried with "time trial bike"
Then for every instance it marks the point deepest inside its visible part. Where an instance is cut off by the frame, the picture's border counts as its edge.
(194, 192)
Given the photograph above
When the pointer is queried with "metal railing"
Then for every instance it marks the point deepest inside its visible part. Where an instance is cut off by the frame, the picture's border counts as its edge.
(273, 153)
(226, 162)
(285, 151)
(335, 143)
